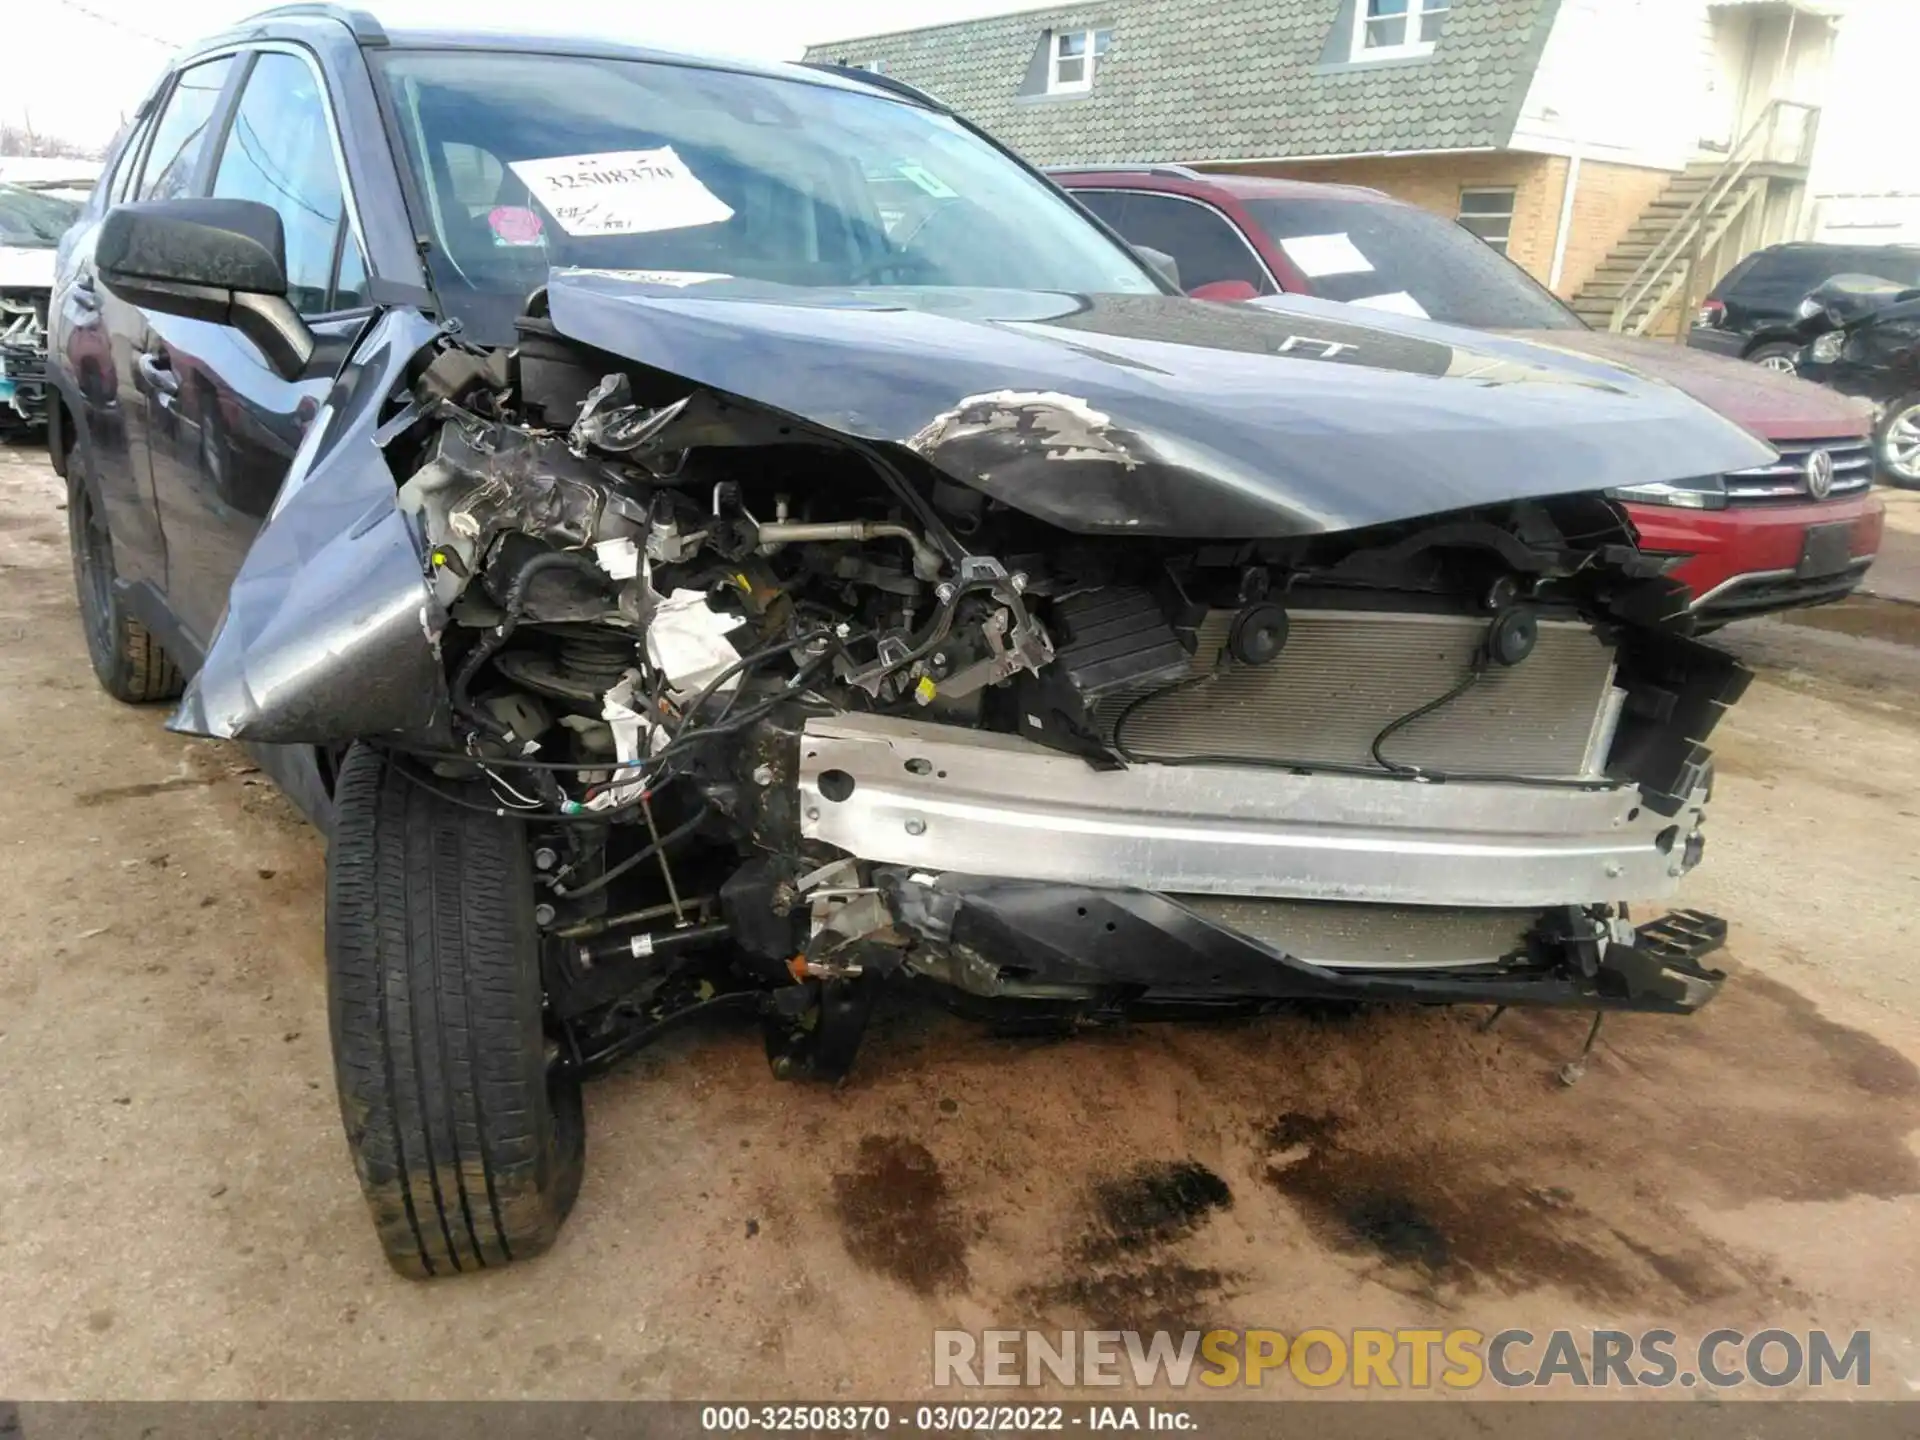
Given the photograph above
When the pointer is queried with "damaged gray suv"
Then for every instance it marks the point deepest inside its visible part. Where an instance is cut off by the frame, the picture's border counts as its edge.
(702, 538)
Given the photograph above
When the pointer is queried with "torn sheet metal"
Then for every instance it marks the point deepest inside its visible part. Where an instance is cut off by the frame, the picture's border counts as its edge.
(1277, 417)
(330, 631)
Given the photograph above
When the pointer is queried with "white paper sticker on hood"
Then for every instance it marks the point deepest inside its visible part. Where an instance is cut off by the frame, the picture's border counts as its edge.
(1396, 302)
(1319, 255)
(623, 192)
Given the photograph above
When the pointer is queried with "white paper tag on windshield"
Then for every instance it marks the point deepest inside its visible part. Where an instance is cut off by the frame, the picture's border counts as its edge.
(1398, 302)
(1318, 255)
(624, 192)
(926, 180)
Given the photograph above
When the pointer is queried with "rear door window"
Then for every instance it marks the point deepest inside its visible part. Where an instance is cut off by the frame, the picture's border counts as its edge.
(180, 136)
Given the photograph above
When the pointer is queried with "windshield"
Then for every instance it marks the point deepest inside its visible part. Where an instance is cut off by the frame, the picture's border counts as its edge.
(1398, 257)
(32, 220)
(527, 161)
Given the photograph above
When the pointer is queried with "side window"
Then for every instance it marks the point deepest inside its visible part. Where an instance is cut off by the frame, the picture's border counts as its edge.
(1110, 206)
(180, 136)
(350, 282)
(279, 151)
(117, 181)
(1202, 241)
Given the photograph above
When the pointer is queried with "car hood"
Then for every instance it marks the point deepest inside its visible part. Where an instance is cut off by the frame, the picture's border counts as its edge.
(1157, 414)
(1773, 406)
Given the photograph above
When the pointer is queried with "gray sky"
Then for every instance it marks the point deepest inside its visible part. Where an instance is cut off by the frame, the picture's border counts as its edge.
(125, 42)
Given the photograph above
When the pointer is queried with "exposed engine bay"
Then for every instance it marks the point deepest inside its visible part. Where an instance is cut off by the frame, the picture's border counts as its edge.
(23, 359)
(787, 719)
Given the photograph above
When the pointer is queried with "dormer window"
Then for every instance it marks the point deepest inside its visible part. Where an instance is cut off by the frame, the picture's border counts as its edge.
(1393, 29)
(1075, 56)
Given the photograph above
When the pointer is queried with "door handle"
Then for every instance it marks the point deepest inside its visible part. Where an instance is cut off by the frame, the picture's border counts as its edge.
(85, 297)
(156, 368)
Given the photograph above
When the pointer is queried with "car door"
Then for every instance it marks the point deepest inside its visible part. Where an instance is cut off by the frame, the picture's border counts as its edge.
(230, 423)
(103, 340)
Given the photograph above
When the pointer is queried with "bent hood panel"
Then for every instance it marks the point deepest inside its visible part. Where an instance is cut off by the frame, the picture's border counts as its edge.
(1156, 414)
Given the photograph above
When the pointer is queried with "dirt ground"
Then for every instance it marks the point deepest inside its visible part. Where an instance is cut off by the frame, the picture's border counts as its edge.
(182, 1220)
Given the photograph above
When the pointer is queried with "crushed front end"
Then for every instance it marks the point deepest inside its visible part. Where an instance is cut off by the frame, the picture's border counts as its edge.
(787, 716)
(23, 359)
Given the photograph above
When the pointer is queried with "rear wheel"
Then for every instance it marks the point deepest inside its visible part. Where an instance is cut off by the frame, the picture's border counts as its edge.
(1899, 442)
(1775, 355)
(465, 1130)
(127, 660)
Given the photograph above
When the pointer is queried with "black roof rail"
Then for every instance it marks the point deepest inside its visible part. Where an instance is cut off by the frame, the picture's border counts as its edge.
(365, 28)
(880, 80)
(1178, 172)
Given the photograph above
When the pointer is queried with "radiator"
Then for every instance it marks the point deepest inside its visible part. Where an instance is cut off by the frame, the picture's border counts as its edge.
(1345, 675)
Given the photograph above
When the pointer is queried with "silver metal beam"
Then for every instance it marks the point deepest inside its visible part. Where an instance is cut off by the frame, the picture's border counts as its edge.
(952, 799)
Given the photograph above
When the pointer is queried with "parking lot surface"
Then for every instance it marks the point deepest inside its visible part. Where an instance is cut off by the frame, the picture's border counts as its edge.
(182, 1219)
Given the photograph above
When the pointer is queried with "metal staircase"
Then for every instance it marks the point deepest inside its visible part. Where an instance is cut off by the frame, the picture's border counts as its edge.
(1658, 268)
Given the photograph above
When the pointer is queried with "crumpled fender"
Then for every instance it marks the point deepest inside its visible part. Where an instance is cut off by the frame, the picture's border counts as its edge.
(330, 631)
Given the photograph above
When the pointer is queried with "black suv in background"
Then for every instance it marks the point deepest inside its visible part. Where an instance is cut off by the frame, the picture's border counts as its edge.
(1752, 311)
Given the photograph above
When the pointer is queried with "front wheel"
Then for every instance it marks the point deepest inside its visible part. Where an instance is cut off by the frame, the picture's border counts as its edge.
(1777, 356)
(1898, 441)
(127, 661)
(465, 1128)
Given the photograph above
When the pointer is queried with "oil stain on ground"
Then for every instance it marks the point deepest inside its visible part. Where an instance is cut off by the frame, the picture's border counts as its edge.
(1452, 1222)
(1122, 1271)
(897, 1216)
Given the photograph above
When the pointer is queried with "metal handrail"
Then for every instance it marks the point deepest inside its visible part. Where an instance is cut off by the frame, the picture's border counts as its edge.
(1754, 147)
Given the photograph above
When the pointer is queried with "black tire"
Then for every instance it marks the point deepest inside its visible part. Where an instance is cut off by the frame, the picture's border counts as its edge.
(128, 662)
(1771, 354)
(59, 433)
(1905, 413)
(469, 1140)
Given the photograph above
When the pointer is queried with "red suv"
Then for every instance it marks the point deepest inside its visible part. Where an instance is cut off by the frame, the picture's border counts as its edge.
(1801, 531)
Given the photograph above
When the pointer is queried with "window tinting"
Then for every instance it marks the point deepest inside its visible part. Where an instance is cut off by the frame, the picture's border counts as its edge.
(180, 137)
(1781, 279)
(279, 151)
(1202, 241)
(1415, 255)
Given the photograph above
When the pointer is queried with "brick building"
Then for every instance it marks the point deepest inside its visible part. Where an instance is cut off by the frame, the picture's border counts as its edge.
(1623, 151)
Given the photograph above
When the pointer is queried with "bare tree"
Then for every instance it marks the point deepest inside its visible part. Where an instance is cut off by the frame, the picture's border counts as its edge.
(23, 140)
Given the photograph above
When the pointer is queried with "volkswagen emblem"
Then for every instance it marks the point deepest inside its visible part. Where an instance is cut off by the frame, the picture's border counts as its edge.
(1819, 474)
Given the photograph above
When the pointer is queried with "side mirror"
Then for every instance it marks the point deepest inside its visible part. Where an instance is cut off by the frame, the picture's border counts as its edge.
(1225, 290)
(218, 260)
(1164, 264)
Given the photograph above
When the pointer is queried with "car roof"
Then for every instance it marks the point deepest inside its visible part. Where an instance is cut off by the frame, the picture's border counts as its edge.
(1241, 187)
(295, 20)
(1814, 247)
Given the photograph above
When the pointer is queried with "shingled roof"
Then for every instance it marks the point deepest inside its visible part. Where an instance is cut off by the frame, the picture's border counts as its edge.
(1198, 80)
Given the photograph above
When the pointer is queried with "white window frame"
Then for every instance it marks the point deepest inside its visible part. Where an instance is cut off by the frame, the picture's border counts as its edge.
(1461, 213)
(1089, 57)
(1416, 16)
